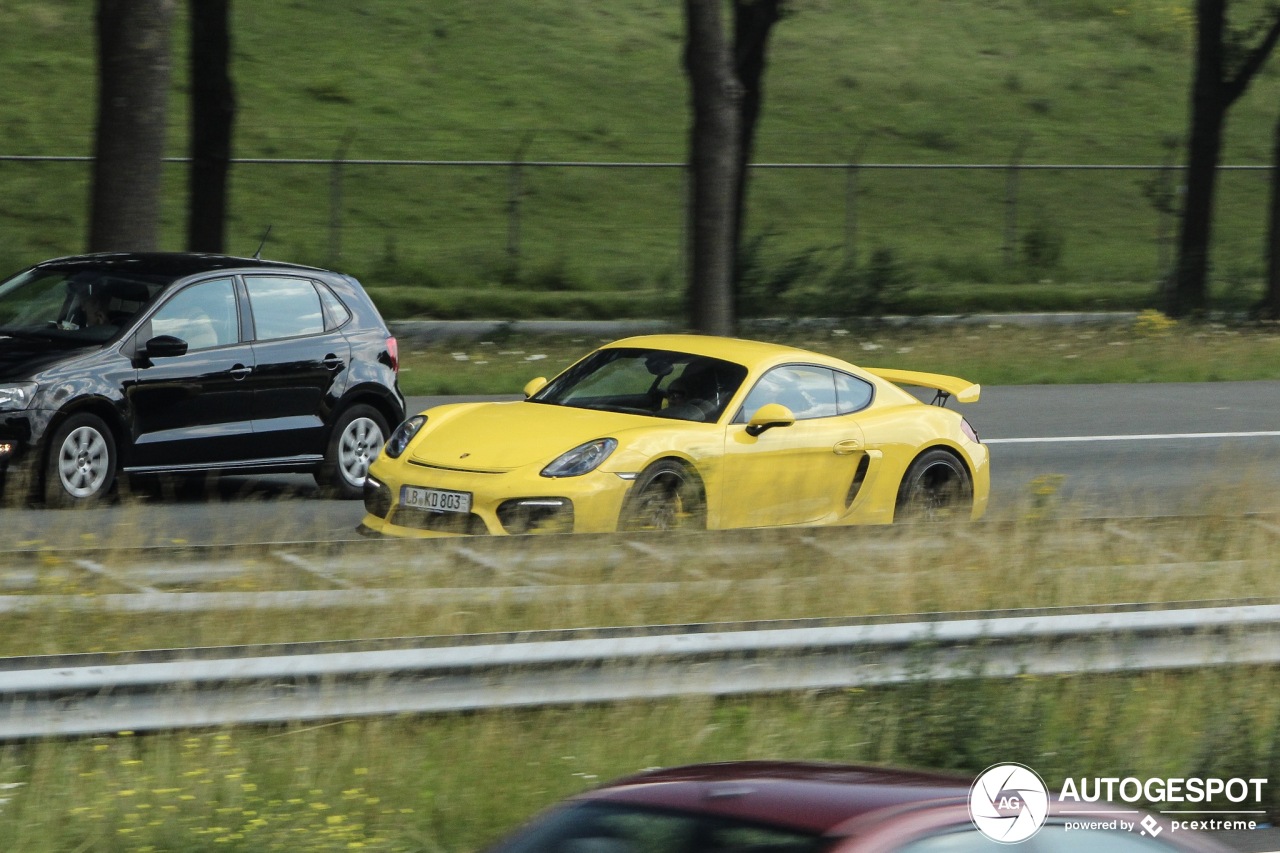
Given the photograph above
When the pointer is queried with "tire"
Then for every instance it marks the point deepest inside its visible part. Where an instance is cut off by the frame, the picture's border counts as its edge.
(666, 496)
(81, 465)
(936, 487)
(357, 436)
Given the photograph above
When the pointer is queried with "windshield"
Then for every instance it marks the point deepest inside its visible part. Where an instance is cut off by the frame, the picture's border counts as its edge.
(621, 828)
(651, 382)
(74, 305)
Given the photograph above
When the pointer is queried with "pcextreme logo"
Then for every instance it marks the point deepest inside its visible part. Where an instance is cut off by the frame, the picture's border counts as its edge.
(1008, 803)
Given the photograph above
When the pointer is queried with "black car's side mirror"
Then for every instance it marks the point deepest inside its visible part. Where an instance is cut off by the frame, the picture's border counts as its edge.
(164, 346)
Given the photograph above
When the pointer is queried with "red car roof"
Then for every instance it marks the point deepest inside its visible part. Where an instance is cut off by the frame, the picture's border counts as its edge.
(810, 797)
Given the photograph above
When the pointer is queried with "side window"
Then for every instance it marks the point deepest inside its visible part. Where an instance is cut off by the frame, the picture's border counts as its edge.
(852, 394)
(335, 313)
(808, 391)
(204, 315)
(284, 307)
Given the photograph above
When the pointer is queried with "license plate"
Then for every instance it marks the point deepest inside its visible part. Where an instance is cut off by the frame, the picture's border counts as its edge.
(435, 500)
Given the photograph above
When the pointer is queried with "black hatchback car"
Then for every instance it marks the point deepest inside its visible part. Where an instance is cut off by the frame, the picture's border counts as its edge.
(185, 363)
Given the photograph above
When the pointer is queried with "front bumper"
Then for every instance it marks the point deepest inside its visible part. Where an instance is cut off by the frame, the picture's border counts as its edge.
(502, 504)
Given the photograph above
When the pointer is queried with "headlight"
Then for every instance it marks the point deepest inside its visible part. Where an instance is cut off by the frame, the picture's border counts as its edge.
(403, 435)
(16, 396)
(582, 459)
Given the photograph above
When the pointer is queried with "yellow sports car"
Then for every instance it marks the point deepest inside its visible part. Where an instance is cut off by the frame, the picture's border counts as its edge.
(684, 431)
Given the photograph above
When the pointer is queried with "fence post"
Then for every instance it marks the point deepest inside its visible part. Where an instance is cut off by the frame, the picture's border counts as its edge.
(335, 198)
(1011, 204)
(515, 191)
(686, 231)
(851, 205)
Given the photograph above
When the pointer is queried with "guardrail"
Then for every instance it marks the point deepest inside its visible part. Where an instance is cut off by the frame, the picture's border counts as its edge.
(92, 694)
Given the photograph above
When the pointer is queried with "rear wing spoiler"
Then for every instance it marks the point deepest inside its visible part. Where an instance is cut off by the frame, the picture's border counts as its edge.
(947, 386)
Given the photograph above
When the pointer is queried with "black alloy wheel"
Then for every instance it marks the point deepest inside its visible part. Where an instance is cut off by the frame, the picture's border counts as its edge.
(936, 487)
(666, 496)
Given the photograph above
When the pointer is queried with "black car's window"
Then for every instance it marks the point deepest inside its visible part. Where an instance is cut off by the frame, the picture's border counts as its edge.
(335, 313)
(77, 305)
(852, 394)
(808, 391)
(204, 315)
(284, 307)
(664, 384)
(620, 828)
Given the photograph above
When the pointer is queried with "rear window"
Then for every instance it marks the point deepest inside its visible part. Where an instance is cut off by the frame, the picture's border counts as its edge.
(284, 307)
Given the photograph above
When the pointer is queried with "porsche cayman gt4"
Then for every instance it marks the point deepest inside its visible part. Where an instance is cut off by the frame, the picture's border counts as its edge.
(685, 431)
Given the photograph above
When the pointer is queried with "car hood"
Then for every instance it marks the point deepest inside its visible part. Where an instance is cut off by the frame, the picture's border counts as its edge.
(23, 358)
(504, 436)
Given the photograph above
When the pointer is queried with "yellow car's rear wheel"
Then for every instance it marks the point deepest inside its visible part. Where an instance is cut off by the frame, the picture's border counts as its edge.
(937, 487)
(667, 496)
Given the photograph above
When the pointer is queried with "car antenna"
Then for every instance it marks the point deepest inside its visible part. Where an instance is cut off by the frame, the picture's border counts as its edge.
(257, 256)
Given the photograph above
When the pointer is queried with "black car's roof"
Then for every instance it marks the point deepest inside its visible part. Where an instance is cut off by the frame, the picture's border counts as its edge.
(173, 265)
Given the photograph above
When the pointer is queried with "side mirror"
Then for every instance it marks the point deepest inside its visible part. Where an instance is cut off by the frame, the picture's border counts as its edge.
(534, 386)
(164, 346)
(768, 416)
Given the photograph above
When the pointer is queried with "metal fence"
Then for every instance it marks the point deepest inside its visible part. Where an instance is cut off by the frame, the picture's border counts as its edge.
(547, 222)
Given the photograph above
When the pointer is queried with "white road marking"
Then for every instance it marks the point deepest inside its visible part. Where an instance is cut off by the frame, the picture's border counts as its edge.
(1061, 439)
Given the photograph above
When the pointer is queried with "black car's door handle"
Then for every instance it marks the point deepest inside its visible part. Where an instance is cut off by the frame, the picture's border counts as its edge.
(332, 362)
(240, 372)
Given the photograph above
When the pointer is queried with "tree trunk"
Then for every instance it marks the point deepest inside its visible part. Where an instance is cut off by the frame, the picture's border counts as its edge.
(213, 110)
(1270, 308)
(1212, 94)
(133, 89)
(753, 21)
(713, 165)
(1188, 294)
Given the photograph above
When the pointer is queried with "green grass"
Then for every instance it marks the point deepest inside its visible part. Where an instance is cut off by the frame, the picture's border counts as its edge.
(1056, 562)
(1151, 349)
(956, 82)
(453, 783)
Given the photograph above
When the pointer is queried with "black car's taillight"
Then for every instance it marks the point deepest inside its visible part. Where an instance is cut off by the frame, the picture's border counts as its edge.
(393, 351)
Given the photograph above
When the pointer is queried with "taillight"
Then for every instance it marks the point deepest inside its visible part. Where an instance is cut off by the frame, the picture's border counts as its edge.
(969, 431)
(393, 350)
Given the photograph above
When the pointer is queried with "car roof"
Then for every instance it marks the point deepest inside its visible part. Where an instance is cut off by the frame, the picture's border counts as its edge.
(731, 349)
(173, 265)
(808, 796)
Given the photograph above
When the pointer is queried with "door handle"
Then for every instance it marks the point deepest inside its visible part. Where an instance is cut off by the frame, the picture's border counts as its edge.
(846, 447)
(332, 361)
(240, 372)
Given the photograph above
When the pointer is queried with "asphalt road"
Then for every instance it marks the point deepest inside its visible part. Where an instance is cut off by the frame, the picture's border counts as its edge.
(1091, 449)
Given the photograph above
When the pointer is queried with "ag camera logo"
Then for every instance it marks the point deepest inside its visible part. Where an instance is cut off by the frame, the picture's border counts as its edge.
(1008, 803)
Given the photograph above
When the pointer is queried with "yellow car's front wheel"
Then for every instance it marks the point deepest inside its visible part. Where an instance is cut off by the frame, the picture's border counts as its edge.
(666, 496)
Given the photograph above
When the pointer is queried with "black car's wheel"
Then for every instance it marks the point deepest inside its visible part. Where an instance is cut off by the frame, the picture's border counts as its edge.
(666, 496)
(81, 467)
(358, 435)
(936, 487)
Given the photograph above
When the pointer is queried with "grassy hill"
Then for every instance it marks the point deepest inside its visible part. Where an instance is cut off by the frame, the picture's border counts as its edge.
(954, 82)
